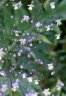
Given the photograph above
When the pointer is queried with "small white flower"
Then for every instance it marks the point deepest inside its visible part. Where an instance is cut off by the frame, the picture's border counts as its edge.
(30, 79)
(36, 82)
(48, 28)
(17, 32)
(30, 44)
(17, 5)
(53, 72)
(24, 75)
(21, 66)
(3, 61)
(52, 5)
(59, 85)
(31, 21)
(30, 6)
(14, 55)
(19, 53)
(57, 36)
(58, 22)
(15, 86)
(27, 34)
(50, 66)
(38, 24)
(46, 92)
(25, 18)
(2, 53)
(29, 55)
(22, 41)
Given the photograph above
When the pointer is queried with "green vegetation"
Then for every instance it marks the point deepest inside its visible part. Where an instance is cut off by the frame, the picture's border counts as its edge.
(32, 47)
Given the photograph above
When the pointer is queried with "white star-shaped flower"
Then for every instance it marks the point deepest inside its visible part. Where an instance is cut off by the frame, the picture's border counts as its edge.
(38, 24)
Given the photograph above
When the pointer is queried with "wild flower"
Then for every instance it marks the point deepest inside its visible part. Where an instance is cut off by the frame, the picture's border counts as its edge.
(2, 53)
(25, 52)
(14, 55)
(19, 53)
(30, 6)
(52, 5)
(22, 41)
(50, 66)
(46, 92)
(36, 82)
(30, 79)
(25, 18)
(48, 27)
(59, 85)
(57, 36)
(15, 85)
(17, 32)
(53, 72)
(58, 21)
(24, 75)
(21, 66)
(38, 24)
(17, 5)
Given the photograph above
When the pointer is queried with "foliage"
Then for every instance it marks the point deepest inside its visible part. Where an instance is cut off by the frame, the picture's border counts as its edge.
(32, 48)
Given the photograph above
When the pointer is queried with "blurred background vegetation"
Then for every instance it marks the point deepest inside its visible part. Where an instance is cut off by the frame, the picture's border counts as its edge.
(33, 48)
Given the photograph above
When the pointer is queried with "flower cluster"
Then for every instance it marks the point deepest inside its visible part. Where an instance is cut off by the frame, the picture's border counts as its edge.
(29, 34)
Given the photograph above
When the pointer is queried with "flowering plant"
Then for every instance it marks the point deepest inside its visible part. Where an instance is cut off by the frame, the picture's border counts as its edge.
(32, 48)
